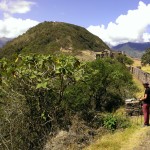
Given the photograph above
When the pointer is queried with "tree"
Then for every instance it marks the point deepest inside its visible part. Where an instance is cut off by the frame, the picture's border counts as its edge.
(124, 59)
(145, 59)
(110, 82)
(103, 85)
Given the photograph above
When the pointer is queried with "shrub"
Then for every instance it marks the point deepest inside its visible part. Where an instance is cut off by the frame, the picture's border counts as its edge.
(110, 122)
(113, 122)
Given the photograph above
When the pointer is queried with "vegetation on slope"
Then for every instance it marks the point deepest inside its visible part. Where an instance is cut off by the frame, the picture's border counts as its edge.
(146, 57)
(44, 92)
(50, 37)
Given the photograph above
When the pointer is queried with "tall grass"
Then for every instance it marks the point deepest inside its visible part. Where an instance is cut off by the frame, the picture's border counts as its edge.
(146, 68)
(140, 91)
(113, 141)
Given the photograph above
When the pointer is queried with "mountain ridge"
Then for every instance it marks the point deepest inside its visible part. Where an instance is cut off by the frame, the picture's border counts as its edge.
(132, 49)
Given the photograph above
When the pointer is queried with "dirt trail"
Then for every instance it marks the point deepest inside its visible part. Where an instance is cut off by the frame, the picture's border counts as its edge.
(139, 141)
(144, 143)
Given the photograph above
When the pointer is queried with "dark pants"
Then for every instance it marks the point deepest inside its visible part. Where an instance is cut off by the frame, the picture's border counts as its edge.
(145, 108)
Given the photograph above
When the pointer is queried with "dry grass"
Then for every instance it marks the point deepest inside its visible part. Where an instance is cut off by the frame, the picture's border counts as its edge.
(140, 87)
(137, 62)
(113, 141)
(86, 55)
(135, 139)
(126, 139)
(146, 68)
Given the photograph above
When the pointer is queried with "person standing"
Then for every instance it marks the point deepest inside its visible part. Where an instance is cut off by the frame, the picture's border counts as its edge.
(146, 103)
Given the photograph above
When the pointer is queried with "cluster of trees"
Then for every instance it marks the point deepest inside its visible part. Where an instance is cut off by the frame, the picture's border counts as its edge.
(146, 57)
(39, 94)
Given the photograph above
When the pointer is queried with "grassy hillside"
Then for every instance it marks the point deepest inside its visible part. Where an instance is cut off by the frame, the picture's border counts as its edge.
(51, 37)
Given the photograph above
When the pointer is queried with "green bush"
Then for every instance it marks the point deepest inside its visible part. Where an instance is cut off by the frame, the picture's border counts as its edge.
(145, 59)
(113, 122)
(110, 122)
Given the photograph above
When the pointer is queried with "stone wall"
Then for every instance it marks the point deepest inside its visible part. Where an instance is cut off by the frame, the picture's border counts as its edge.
(140, 74)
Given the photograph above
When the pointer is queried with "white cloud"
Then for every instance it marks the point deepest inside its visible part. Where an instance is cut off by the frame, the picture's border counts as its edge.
(146, 37)
(12, 27)
(130, 27)
(16, 6)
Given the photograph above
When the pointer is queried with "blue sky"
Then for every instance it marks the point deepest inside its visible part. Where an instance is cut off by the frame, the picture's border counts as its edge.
(114, 21)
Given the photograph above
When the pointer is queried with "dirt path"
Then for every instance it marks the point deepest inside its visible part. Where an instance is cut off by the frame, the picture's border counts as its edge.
(139, 141)
(144, 144)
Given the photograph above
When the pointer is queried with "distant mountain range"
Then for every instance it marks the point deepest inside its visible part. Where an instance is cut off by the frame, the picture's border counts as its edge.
(135, 50)
(3, 41)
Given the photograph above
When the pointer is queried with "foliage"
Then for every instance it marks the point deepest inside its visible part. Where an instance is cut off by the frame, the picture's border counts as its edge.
(124, 60)
(146, 57)
(110, 122)
(55, 87)
(50, 37)
(108, 83)
(42, 81)
(113, 122)
(103, 86)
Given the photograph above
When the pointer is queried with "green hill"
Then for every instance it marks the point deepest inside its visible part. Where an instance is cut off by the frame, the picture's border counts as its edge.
(52, 37)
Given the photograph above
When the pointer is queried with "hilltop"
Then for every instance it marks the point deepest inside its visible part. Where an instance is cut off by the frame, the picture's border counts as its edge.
(53, 37)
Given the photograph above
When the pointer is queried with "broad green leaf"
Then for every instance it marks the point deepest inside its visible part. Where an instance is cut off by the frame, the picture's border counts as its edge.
(41, 85)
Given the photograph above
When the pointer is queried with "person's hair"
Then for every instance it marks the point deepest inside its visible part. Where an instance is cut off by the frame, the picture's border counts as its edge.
(145, 83)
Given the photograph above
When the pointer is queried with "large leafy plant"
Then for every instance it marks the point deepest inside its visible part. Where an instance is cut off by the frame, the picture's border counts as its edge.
(42, 81)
